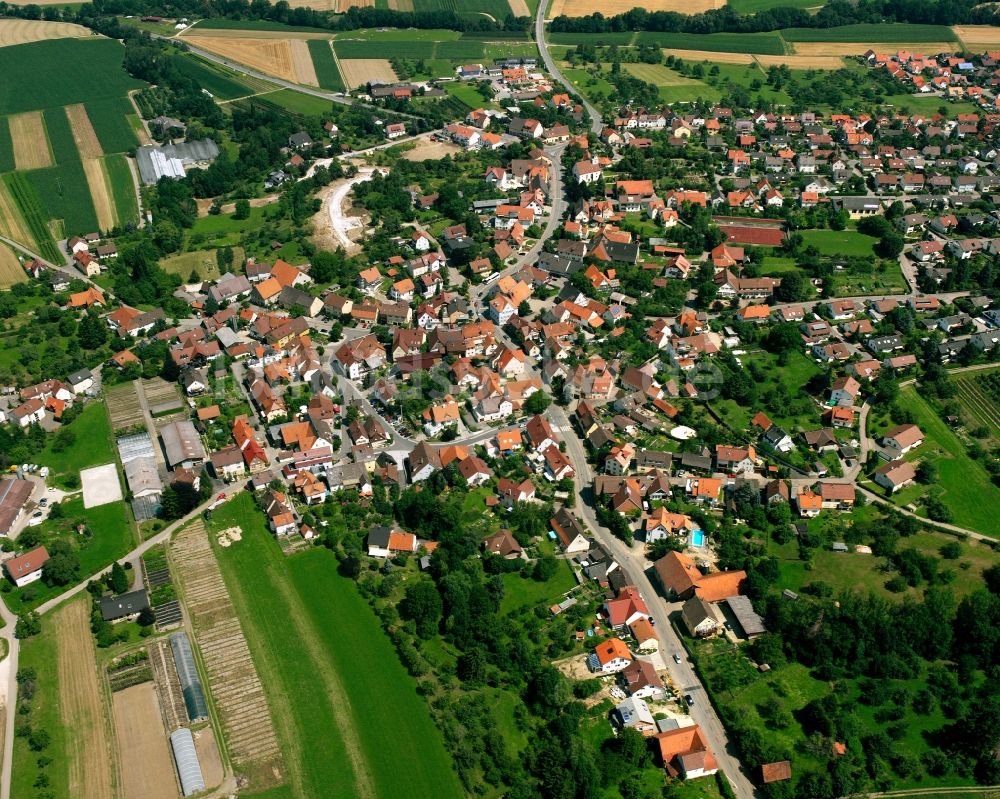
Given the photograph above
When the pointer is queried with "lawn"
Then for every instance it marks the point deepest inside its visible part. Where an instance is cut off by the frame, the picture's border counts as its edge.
(917, 104)
(47, 74)
(839, 242)
(298, 614)
(875, 33)
(777, 264)
(92, 445)
(468, 94)
(967, 489)
(674, 87)
(588, 84)
(202, 262)
(520, 592)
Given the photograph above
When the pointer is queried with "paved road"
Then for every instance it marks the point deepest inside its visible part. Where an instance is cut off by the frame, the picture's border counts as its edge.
(596, 123)
(633, 560)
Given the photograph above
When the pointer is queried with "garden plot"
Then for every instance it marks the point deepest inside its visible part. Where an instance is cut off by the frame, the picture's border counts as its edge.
(147, 771)
(233, 680)
(101, 485)
(124, 407)
(168, 685)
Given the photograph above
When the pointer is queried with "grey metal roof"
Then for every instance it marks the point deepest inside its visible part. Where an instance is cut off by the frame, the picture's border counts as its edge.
(143, 477)
(742, 609)
(181, 442)
(186, 760)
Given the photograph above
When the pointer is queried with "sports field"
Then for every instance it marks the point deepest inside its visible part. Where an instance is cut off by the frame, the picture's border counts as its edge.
(839, 242)
(327, 665)
(11, 271)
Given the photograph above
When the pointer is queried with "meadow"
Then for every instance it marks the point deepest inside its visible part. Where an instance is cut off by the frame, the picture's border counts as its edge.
(298, 614)
(297, 103)
(31, 82)
(220, 83)
(326, 68)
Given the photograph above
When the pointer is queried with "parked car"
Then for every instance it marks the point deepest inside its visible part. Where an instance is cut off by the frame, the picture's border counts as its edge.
(677, 658)
(36, 518)
(689, 699)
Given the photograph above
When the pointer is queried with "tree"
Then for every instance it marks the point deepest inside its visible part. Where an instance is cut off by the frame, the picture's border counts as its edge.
(119, 579)
(545, 568)
(890, 245)
(92, 333)
(28, 624)
(146, 617)
(61, 568)
(422, 605)
(537, 402)
(926, 472)
(471, 667)
(242, 210)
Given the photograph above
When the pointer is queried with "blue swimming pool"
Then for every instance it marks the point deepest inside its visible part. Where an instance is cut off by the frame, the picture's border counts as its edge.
(697, 538)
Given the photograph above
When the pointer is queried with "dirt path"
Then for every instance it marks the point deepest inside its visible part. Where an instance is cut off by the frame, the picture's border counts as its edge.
(80, 702)
(228, 208)
(331, 225)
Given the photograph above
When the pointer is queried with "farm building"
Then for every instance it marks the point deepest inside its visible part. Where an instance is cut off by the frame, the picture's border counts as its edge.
(186, 759)
(13, 496)
(170, 161)
(124, 606)
(182, 444)
(187, 674)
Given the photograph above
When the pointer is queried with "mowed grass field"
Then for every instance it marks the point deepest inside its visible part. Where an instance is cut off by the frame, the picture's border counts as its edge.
(328, 666)
(839, 242)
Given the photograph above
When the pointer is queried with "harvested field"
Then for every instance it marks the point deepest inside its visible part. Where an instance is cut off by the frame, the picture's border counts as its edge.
(83, 132)
(978, 37)
(706, 55)
(341, 5)
(12, 224)
(124, 407)
(100, 193)
(232, 677)
(284, 58)
(147, 770)
(427, 150)
(168, 685)
(801, 61)
(22, 31)
(401, 5)
(31, 145)
(358, 71)
(860, 48)
(583, 8)
(80, 703)
(519, 8)
(11, 271)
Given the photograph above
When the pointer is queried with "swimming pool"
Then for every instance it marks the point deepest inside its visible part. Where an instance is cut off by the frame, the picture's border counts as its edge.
(697, 538)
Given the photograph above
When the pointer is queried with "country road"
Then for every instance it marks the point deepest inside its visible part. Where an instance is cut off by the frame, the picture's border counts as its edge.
(596, 123)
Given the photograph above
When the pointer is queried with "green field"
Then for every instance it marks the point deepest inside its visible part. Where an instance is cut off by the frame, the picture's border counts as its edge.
(918, 104)
(674, 87)
(48, 74)
(255, 25)
(34, 214)
(110, 118)
(404, 35)
(966, 486)
(754, 6)
(202, 261)
(66, 196)
(6, 147)
(408, 48)
(327, 665)
(326, 68)
(298, 103)
(762, 43)
(220, 83)
(839, 242)
(888, 32)
(92, 444)
(498, 9)
(122, 188)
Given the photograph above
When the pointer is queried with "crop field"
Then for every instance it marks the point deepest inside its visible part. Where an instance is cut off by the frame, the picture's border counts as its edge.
(100, 193)
(170, 697)
(358, 71)
(583, 8)
(298, 614)
(31, 147)
(29, 211)
(12, 224)
(236, 689)
(863, 32)
(46, 74)
(755, 6)
(296, 102)
(81, 706)
(66, 196)
(747, 43)
(287, 59)
(327, 74)
(112, 119)
(124, 407)
(11, 271)
(252, 29)
(497, 9)
(978, 37)
(86, 139)
(220, 83)
(412, 49)
(6, 147)
(714, 58)
(818, 61)
(119, 176)
(25, 31)
(143, 750)
(829, 49)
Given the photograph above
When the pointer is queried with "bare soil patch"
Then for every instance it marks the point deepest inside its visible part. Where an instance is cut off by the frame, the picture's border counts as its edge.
(83, 132)
(583, 8)
(427, 150)
(147, 771)
(271, 56)
(31, 145)
(23, 31)
(87, 749)
(801, 61)
(860, 48)
(208, 756)
(100, 192)
(706, 55)
(11, 271)
(978, 37)
(359, 71)
(342, 5)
